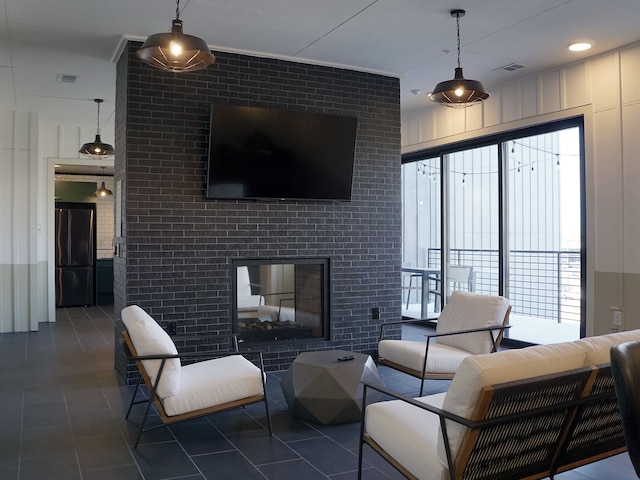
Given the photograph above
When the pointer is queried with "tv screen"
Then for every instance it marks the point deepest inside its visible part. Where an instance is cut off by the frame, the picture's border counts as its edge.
(266, 153)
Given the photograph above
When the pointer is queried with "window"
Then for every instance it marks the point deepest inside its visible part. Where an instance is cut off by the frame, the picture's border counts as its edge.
(505, 214)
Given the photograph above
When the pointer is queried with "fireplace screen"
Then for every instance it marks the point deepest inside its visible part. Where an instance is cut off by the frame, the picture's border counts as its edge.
(280, 300)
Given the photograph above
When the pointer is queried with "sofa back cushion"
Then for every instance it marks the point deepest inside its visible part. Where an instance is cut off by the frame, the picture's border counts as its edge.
(467, 310)
(597, 349)
(479, 371)
(149, 338)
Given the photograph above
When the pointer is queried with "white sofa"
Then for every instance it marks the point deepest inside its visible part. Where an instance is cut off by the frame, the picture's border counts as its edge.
(412, 437)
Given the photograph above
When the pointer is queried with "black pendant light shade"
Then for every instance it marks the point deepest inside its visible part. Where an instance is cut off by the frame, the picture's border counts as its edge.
(103, 191)
(459, 92)
(97, 149)
(175, 51)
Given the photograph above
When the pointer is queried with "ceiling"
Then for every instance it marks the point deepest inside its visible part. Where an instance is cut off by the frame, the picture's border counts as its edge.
(414, 40)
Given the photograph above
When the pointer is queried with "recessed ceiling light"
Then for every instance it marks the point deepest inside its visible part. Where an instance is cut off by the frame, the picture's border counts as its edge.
(579, 47)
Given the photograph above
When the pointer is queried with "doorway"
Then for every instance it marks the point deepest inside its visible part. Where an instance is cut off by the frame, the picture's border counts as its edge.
(78, 169)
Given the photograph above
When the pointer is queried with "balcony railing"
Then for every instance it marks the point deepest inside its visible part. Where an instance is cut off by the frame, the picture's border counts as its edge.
(541, 283)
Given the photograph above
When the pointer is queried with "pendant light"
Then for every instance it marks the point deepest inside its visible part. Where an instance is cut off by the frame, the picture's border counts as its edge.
(97, 149)
(459, 92)
(103, 191)
(175, 51)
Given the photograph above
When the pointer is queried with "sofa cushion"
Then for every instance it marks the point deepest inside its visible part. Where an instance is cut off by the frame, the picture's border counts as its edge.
(597, 348)
(478, 371)
(441, 359)
(408, 434)
(149, 338)
(214, 382)
(466, 310)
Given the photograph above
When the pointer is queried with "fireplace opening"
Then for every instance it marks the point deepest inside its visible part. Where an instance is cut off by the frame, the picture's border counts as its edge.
(280, 299)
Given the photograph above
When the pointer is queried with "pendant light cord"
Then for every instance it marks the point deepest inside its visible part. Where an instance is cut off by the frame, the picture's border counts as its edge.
(98, 119)
(177, 9)
(458, 26)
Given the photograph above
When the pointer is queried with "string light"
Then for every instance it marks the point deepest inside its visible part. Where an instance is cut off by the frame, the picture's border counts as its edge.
(432, 171)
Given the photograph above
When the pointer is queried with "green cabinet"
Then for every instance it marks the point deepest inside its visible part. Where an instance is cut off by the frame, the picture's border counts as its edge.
(104, 281)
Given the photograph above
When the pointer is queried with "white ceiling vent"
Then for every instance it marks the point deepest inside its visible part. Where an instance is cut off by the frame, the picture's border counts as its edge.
(67, 78)
(511, 67)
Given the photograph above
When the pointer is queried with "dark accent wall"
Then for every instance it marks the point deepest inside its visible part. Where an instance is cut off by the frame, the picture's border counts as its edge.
(174, 256)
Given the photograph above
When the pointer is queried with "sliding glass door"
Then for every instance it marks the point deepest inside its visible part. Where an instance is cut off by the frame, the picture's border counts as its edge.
(500, 217)
(421, 217)
(472, 215)
(544, 214)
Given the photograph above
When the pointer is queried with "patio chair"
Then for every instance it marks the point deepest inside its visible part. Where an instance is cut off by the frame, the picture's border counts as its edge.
(625, 365)
(181, 392)
(470, 324)
(460, 277)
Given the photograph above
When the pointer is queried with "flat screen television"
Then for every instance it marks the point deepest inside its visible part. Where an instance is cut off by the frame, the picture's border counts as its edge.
(267, 153)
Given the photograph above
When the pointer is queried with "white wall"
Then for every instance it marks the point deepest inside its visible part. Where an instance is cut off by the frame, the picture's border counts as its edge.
(604, 90)
(21, 268)
(29, 148)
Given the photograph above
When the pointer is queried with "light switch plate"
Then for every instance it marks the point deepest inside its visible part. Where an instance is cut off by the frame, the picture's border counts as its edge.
(616, 319)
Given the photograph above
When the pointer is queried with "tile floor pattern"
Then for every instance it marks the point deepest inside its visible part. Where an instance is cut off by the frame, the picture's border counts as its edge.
(62, 409)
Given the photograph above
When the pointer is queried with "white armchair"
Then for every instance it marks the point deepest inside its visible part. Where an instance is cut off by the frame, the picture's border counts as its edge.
(470, 324)
(181, 392)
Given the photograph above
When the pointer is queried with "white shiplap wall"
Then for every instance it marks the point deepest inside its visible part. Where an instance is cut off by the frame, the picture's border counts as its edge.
(22, 283)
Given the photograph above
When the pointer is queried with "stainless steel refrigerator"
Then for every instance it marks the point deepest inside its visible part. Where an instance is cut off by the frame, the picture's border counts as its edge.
(75, 255)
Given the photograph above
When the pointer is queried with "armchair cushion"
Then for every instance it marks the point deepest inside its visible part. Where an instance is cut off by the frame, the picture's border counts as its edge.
(149, 338)
(404, 433)
(483, 370)
(467, 310)
(442, 358)
(214, 382)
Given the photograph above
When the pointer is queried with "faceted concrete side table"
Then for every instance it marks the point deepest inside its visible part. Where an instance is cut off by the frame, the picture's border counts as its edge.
(320, 388)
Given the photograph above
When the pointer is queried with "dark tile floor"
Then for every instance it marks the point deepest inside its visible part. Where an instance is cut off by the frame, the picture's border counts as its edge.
(62, 409)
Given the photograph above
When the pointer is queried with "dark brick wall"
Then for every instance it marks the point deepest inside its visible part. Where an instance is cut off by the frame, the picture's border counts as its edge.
(176, 250)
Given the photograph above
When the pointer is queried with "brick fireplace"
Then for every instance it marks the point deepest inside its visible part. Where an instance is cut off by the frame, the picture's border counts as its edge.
(177, 251)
